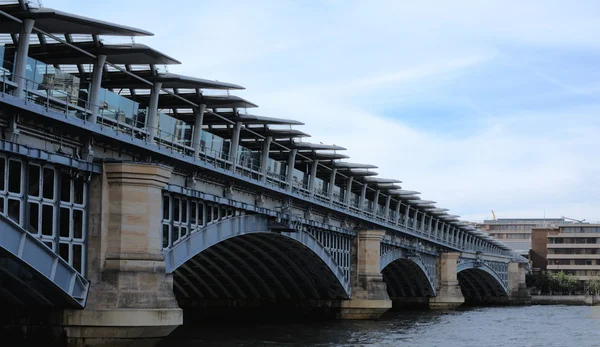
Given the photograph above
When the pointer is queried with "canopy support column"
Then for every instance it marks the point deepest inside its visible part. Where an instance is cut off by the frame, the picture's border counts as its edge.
(197, 135)
(95, 86)
(398, 204)
(235, 142)
(348, 191)
(264, 160)
(21, 59)
(152, 121)
(363, 195)
(331, 185)
(290, 169)
(387, 207)
(313, 177)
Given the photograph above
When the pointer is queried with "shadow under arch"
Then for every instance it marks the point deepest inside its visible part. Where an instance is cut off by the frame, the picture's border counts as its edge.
(407, 276)
(249, 257)
(479, 282)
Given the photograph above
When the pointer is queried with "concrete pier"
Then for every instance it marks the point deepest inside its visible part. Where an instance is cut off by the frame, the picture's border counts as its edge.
(449, 295)
(131, 297)
(369, 298)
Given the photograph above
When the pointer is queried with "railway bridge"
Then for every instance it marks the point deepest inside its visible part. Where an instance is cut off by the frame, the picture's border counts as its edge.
(128, 193)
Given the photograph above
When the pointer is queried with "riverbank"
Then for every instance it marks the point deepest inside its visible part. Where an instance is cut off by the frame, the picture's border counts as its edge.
(580, 300)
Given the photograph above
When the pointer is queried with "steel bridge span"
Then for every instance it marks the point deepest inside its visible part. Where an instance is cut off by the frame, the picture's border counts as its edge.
(128, 192)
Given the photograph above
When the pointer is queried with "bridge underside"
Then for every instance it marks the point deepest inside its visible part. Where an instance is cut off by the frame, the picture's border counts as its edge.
(480, 287)
(407, 284)
(253, 269)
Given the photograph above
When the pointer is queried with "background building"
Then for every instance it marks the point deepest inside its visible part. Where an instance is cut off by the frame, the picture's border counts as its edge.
(573, 249)
(516, 232)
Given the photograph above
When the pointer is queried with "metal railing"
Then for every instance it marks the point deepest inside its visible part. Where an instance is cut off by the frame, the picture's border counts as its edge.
(60, 101)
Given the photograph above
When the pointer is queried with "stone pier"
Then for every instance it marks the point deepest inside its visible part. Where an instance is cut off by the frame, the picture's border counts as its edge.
(369, 297)
(449, 295)
(131, 300)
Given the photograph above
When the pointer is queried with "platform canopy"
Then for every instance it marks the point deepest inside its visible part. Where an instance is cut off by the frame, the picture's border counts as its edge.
(119, 79)
(169, 101)
(127, 54)
(58, 22)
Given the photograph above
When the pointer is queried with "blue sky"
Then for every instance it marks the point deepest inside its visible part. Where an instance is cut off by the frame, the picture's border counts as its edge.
(479, 105)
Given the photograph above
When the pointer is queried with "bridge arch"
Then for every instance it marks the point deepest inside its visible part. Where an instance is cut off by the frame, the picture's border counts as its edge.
(479, 281)
(249, 256)
(407, 275)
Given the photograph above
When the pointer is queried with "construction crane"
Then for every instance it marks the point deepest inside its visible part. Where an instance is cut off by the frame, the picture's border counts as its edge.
(573, 219)
(493, 215)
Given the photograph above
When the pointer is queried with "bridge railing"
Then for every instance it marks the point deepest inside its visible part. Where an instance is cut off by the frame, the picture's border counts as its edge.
(63, 102)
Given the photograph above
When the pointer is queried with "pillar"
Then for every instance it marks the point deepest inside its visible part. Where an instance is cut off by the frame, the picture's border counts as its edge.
(517, 288)
(331, 185)
(152, 121)
(398, 204)
(313, 177)
(264, 160)
(388, 200)
(95, 86)
(369, 297)
(21, 59)
(197, 135)
(131, 297)
(290, 169)
(348, 191)
(363, 194)
(448, 293)
(235, 143)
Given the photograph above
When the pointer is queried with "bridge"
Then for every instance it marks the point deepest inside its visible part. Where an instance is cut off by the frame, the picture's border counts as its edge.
(129, 193)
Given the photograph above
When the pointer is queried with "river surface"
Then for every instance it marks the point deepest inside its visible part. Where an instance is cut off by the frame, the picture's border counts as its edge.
(548, 326)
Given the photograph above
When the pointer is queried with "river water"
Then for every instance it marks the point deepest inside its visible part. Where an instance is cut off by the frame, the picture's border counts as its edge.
(547, 326)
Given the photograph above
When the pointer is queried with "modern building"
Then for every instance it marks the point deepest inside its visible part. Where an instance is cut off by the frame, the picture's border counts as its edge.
(574, 249)
(516, 232)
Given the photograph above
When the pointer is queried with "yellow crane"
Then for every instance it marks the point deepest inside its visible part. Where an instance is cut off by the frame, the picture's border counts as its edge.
(493, 215)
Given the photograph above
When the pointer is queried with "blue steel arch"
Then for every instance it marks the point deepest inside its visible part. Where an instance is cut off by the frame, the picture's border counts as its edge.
(39, 273)
(498, 284)
(230, 228)
(398, 254)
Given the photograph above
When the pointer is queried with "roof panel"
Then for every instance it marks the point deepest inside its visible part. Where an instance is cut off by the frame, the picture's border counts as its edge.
(58, 22)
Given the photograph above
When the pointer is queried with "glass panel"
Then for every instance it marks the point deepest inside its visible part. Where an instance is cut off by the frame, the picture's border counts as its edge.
(65, 187)
(166, 210)
(63, 251)
(193, 215)
(78, 190)
(48, 184)
(47, 220)
(65, 218)
(34, 180)
(77, 224)
(200, 214)
(14, 176)
(184, 211)
(14, 210)
(77, 257)
(34, 216)
(175, 209)
(165, 235)
(2, 173)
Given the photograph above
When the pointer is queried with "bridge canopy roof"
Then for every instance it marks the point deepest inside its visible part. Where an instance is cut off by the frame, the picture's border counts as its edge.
(169, 101)
(59, 22)
(211, 119)
(128, 53)
(347, 165)
(119, 79)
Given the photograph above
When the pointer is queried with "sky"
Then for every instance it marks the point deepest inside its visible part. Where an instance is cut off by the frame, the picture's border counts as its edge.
(478, 105)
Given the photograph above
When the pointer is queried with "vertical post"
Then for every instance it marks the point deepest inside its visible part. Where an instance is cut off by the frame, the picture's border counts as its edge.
(388, 200)
(235, 142)
(363, 194)
(416, 220)
(313, 177)
(290, 169)
(152, 121)
(407, 215)
(21, 59)
(95, 86)
(197, 135)
(264, 160)
(436, 229)
(430, 225)
(348, 191)
(331, 185)
(398, 204)
(424, 215)
(376, 201)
